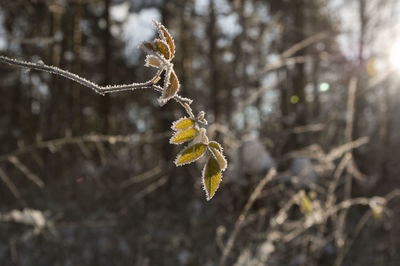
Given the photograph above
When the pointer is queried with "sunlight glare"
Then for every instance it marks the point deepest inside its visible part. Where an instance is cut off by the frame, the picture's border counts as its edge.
(395, 55)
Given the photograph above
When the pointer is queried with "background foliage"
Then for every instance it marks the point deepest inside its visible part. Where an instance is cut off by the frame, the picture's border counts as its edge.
(307, 87)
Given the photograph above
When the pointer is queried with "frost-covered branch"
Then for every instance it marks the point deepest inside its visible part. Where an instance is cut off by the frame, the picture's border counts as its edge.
(190, 129)
(40, 66)
(102, 90)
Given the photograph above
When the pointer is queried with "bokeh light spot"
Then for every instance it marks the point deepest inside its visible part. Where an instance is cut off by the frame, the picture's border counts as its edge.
(324, 86)
(294, 99)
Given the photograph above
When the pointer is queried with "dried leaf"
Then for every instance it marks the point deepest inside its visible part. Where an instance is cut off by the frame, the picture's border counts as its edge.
(377, 205)
(173, 86)
(153, 61)
(166, 36)
(377, 213)
(219, 157)
(201, 119)
(190, 154)
(167, 77)
(211, 177)
(150, 46)
(163, 48)
(182, 124)
(170, 41)
(184, 136)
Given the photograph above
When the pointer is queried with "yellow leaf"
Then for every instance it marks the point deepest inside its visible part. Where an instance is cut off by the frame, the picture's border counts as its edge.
(153, 61)
(211, 177)
(184, 136)
(305, 205)
(215, 145)
(219, 157)
(163, 48)
(182, 123)
(190, 154)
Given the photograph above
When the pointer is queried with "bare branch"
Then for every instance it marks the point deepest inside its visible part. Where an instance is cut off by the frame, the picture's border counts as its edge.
(308, 128)
(9, 184)
(141, 177)
(152, 187)
(66, 74)
(240, 221)
(102, 90)
(112, 139)
(304, 43)
(26, 171)
(339, 151)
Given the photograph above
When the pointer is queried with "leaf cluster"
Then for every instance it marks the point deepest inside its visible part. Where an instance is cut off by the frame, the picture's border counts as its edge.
(160, 53)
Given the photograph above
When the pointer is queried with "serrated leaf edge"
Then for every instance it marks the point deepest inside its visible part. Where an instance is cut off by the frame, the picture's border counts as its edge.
(159, 52)
(162, 99)
(180, 120)
(178, 86)
(150, 56)
(160, 29)
(204, 184)
(213, 151)
(181, 131)
(221, 150)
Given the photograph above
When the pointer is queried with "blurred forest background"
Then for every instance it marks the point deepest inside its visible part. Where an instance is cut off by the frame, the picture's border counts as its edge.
(307, 87)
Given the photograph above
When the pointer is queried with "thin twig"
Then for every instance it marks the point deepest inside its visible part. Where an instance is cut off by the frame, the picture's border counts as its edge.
(339, 151)
(314, 151)
(308, 128)
(331, 197)
(304, 43)
(240, 221)
(9, 184)
(341, 224)
(152, 187)
(344, 205)
(360, 225)
(350, 109)
(26, 171)
(141, 177)
(39, 41)
(112, 139)
(286, 59)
